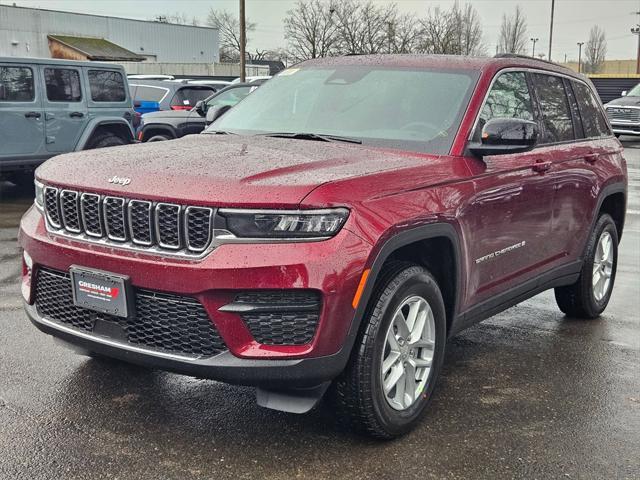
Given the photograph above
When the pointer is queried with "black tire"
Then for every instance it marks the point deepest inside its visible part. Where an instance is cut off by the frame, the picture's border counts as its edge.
(22, 180)
(358, 392)
(105, 139)
(158, 138)
(617, 135)
(578, 300)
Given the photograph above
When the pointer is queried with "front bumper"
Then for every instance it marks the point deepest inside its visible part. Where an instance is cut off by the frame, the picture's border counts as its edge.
(332, 267)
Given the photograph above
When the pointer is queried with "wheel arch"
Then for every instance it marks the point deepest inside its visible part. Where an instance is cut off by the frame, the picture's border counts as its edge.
(153, 129)
(116, 125)
(614, 202)
(422, 245)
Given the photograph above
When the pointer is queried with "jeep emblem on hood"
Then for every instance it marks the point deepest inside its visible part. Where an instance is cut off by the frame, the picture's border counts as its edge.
(124, 181)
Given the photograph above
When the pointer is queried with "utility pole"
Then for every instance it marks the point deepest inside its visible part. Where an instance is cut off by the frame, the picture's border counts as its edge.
(553, 2)
(533, 52)
(580, 56)
(565, 58)
(389, 33)
(243, 43)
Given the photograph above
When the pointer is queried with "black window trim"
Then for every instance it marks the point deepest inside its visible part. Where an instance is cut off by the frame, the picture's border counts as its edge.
(527, 70)
(33, 79)
(127, 93)
(78, 70)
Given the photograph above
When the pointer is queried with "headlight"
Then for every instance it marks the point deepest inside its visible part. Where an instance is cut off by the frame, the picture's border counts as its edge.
(285, 224)
(39, 200)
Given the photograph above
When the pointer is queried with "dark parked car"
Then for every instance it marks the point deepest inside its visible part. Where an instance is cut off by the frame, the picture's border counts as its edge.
(48, 107)
(157, 126)
(331, 231)
(624, 113)
(154, 95)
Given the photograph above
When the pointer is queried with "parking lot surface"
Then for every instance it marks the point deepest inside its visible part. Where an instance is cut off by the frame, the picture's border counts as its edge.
(525, 394)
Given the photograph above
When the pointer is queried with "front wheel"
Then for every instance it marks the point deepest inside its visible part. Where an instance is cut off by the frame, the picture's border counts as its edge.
(589, 296)
(398, 355)
(103, 140)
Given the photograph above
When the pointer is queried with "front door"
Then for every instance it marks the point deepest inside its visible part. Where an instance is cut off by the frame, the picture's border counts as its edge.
(65, 107)
(508, 220)
(21, 116)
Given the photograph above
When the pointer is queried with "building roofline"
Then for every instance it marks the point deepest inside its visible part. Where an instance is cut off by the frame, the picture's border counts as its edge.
(108, 16)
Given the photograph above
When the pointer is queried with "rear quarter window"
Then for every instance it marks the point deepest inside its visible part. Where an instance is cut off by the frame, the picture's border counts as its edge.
(107, 86)
(16, 84)
(63, 85)
(147, 93)
(593, 120)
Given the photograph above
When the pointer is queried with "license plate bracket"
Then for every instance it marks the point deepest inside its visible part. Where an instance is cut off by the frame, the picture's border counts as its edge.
(101, 291)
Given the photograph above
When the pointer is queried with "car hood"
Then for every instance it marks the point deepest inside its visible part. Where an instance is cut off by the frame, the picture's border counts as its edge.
(625, 101)
(152, 116)
(221, 170)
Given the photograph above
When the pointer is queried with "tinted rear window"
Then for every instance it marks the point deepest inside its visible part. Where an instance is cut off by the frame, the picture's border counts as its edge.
(107, 86)
(593, 120)
(16, 84)
(63, 85)
(556, 116)
(187, 97)
(148, 93)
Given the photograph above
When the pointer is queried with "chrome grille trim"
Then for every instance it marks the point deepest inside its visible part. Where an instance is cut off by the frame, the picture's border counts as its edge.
(623, 113)
(187, 215)
(121, 223)
(166, 234)
(48, 191)
(132, 231)
(70, 217)
(109, 225)
(84, 199)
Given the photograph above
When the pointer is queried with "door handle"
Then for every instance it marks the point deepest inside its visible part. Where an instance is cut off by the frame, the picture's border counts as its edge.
(541, 166)
(33, 114)
(592, 157)
(76, 114)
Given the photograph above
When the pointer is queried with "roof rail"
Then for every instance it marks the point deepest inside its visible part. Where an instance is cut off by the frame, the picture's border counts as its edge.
(526, 57)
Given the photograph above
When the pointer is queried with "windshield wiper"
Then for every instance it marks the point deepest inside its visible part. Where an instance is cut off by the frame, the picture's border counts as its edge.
(312, 136)
(219, 132)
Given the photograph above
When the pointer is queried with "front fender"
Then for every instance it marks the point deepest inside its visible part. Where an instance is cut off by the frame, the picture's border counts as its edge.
(98, 122)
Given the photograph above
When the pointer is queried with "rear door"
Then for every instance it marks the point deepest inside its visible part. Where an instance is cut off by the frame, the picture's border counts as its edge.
(508, 220)
(21, 115)
(65, 107)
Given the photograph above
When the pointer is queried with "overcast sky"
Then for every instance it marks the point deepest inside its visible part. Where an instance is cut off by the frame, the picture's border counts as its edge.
(573, 18)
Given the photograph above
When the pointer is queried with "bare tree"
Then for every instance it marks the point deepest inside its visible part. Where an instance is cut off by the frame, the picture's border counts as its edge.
(229, 28)
(457, 31)
(404, 33)
(310, 30)
(364, 27)
(513, 33)
(177, 18)
(595, 51)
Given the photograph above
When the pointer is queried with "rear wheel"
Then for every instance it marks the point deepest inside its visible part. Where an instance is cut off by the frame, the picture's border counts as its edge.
(105, 139)
(158, 138)
(398, 355)
(589, 296)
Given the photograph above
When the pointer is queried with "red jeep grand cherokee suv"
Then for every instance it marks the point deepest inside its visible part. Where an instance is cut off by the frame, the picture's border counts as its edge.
(334, 229)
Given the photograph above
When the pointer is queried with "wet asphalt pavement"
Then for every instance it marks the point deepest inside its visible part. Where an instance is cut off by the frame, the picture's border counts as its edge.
(526, 394)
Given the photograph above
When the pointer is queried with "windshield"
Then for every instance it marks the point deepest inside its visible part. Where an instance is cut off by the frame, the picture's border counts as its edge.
(634, 92)
(417, 110)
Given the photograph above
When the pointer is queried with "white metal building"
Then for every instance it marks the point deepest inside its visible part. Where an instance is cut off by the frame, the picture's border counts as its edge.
(24, 33)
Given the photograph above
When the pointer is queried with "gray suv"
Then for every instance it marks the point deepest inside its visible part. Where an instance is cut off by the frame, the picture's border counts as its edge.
(48, 107)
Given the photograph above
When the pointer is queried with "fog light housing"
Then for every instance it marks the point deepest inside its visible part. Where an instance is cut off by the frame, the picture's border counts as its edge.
(27, 274)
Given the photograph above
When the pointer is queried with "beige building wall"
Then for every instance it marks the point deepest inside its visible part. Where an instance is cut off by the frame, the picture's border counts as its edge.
(611, 67)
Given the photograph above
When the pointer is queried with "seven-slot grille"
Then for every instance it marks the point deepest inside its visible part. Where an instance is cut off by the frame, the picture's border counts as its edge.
(136, 223)
(625, 114)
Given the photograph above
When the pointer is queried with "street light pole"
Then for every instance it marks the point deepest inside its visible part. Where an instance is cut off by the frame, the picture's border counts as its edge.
(553, 2)
(243, 43)
(580, 56)
(636, 31)
(534, 40)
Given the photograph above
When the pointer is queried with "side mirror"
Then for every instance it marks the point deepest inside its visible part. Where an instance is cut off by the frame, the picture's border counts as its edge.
(214, 113)
(200, 108)
(624, 93)
(501, 136)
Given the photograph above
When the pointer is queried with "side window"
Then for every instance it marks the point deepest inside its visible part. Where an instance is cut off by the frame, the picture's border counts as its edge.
(106, 86)
(147, 93)
(556, 115)
(188, 97)
(16, 84)
(509, 98)
(230, 97)
(63, 85)
(592, 118)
